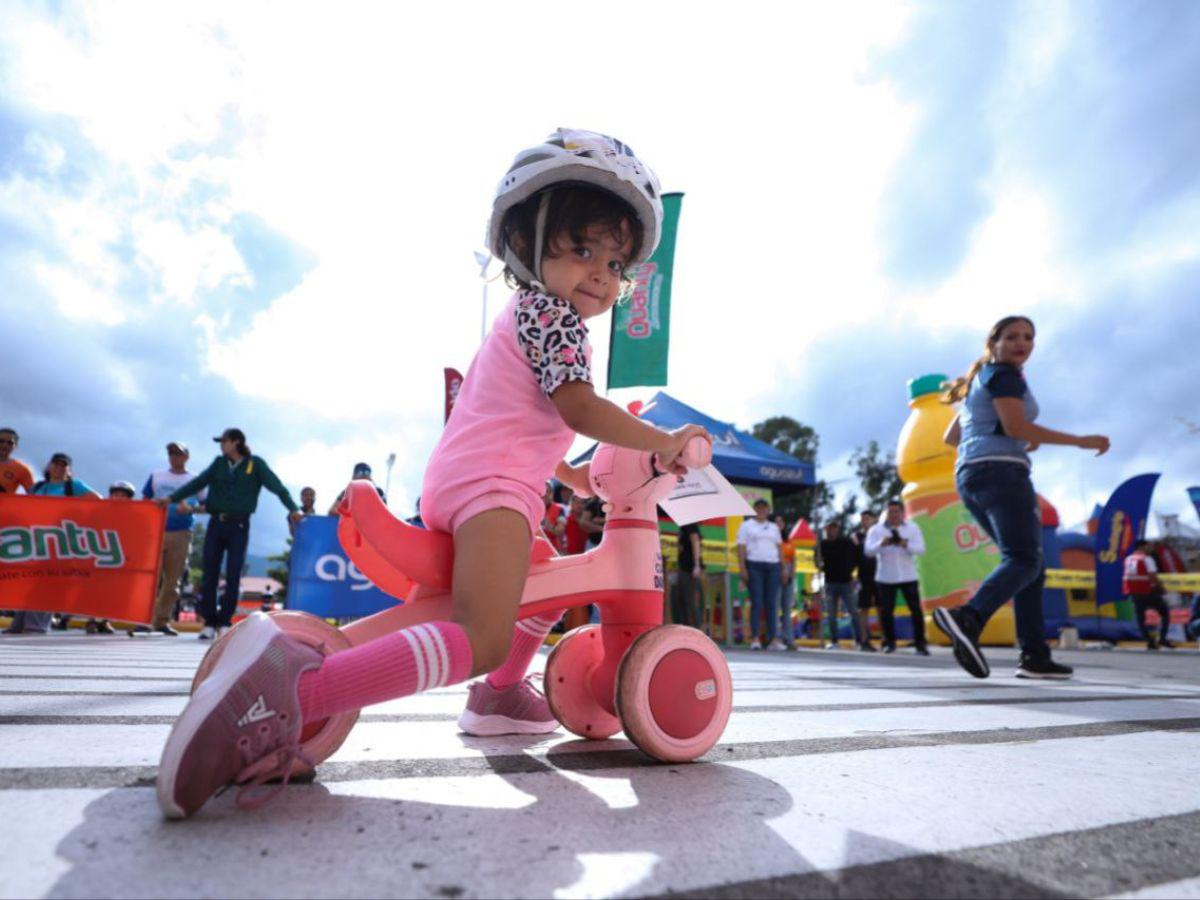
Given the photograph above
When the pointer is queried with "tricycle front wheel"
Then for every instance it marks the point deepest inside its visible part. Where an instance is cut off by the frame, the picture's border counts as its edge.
(674, 693)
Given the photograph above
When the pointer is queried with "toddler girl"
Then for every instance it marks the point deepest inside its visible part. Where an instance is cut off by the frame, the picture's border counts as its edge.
(570, 218)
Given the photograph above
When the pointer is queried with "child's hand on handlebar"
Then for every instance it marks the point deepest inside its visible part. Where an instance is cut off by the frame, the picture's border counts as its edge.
(668, 458)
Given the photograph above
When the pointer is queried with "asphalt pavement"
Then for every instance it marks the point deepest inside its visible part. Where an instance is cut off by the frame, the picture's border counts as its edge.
(841, 775)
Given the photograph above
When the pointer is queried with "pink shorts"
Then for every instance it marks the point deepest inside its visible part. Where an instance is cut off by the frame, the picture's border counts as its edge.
(446, 511)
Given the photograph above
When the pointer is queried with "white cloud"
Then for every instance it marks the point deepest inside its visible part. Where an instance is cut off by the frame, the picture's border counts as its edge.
(76, 297)
(326, 466)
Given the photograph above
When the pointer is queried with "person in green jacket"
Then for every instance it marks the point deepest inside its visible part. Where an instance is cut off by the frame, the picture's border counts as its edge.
(234, 480)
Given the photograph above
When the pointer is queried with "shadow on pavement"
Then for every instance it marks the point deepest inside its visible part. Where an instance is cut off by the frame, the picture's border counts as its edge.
(566, 830)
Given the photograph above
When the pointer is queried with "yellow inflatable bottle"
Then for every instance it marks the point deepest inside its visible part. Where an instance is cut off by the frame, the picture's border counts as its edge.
(958, 553)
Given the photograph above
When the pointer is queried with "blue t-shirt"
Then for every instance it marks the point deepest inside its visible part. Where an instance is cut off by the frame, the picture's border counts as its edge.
(59, 489)
(163, 484)
(983, 438)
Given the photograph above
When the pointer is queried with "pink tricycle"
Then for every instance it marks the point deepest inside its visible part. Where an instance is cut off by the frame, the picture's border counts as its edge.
(667, 686)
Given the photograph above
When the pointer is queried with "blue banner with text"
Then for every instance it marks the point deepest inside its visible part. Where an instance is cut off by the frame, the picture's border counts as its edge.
(1122, 523)
(323, 581)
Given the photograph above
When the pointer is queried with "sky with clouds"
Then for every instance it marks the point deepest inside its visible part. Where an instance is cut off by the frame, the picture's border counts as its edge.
(264, 215)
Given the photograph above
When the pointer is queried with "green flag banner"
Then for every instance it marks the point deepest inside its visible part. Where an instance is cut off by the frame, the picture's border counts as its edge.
(641, 327)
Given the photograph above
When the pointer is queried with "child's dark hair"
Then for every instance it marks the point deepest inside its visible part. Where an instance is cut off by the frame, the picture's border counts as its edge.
(571, 211)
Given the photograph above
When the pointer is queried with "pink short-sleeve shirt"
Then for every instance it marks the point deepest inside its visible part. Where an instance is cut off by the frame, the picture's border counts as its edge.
(505, 436)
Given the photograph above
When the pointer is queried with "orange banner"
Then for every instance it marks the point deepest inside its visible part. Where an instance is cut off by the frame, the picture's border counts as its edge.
(80, 555)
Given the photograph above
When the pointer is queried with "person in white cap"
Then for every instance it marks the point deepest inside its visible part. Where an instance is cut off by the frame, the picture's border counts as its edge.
(177, 541)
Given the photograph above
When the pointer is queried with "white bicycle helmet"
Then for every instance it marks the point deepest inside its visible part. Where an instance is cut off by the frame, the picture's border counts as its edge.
(569, 156)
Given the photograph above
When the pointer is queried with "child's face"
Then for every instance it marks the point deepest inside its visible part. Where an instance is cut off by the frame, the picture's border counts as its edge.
(587, 274)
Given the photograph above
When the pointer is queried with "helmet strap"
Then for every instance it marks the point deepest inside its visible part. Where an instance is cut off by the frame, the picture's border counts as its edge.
(539, 239)
(518, 268)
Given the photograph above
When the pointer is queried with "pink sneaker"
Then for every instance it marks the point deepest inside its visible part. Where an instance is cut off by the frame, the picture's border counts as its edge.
(517, 709)
(243, 721)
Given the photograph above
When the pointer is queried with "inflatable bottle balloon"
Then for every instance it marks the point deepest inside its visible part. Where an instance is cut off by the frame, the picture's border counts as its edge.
(958, 553)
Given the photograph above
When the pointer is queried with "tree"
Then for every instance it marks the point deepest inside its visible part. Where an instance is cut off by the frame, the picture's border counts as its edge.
(280, 573)
(801, 441)
(877, 474)
(875, 469)
(792, 437)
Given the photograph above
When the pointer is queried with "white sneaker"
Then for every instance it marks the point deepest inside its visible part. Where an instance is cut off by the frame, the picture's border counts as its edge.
(755, 645)
(223, 630)
(777, 644)
(831, 645)
(208, 633)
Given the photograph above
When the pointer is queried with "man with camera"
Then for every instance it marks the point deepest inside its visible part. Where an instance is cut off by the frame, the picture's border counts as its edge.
(895, 542)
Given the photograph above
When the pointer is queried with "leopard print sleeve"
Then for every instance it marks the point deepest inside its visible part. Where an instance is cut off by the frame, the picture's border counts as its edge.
(554, 339)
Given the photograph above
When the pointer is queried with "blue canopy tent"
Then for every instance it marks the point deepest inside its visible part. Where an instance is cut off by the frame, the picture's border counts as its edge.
(738, 456)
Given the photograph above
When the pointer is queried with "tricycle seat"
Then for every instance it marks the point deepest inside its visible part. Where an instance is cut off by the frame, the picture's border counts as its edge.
(385, 547)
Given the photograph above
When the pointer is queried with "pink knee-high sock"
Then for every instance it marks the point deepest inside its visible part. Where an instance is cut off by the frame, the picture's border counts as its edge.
(395, 665)
(528, 635)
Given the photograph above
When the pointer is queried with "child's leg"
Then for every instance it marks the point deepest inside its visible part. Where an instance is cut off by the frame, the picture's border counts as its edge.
(491, 559)
(527, 638)
(245, 720)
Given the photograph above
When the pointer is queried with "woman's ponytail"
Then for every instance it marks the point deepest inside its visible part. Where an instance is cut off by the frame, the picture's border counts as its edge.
(956, 390)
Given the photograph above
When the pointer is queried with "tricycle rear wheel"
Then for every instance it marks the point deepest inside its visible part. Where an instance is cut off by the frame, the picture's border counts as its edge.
(568, 684)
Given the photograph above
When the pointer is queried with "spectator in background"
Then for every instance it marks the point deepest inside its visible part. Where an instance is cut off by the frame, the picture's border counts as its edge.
(787, 590)
(1141, 585)
(838, 559)
(177, 540)
(687, 606)
(1191, 628)
(59, 481)
(118, 490)
(415, 519)
(593, 520)
(574, 534)
(361, 471)
(758, 542)
(868, 591)
(895, 543)
(308, 507)
(234, 480)
(14, 474)
(554, 519)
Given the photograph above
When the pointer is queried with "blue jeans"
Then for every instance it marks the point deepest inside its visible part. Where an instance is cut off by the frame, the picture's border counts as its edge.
(787, 600)
(1001, 498)
(30, 621)
(843, 591)
(228, 538)
(764, 597)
